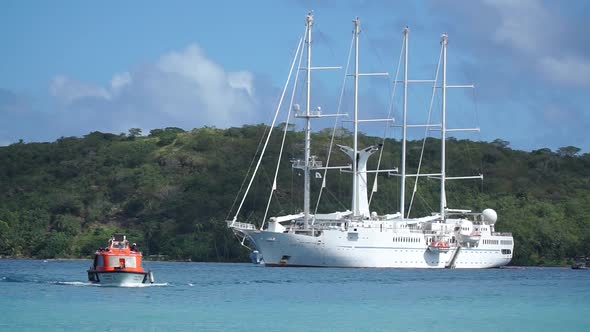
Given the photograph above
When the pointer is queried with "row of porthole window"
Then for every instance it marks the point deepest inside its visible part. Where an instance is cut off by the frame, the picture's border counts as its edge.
(406, 262)
(504, 251)
(440, 262)
(406, 239)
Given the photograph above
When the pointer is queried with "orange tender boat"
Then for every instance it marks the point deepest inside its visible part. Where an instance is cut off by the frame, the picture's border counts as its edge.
(119, 264)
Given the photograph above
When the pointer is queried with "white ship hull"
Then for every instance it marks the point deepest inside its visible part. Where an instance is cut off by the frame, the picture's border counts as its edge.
(120, 278)
(334, 248)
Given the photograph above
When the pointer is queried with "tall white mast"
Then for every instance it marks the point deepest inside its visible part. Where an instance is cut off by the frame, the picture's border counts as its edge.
(309, 163)
(359, 157)
(355, 184)
(307, 156)
(404, 127)
(443, 195)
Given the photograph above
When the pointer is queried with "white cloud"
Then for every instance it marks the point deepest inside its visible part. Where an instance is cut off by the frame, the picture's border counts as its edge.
(120, 80)
(193, 64)
(221, 92)
(68, 90)
(182, 88)
(242, 80)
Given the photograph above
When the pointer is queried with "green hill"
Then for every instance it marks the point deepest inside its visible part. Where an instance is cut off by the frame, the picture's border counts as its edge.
(172, 190)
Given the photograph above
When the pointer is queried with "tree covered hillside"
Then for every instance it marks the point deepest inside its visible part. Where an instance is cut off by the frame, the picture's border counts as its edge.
(171, 191)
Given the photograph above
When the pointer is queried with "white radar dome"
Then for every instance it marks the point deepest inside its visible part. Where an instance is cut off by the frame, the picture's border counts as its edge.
(490, 216)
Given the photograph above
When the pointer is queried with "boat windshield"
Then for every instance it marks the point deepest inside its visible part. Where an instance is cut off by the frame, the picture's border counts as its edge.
(118, 244)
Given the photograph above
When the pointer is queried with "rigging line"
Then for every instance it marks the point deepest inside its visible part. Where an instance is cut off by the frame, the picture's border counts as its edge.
(426, 129)
(425, 203)
(479, 133)
(337, 200)
(269, 132)
(285, 130)
(469, 150)
(387, 125)
(476, 111)
(341, 97)
(247, 172)
(372, 45)
(263, 171)
(242, 240)
(292, 190)
(322, 39)
(250, 216)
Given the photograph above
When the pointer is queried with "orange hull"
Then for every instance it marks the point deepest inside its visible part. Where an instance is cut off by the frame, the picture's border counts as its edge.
(118, 263)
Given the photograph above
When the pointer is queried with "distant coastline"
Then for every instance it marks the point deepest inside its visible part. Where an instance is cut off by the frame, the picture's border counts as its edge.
(168, 190)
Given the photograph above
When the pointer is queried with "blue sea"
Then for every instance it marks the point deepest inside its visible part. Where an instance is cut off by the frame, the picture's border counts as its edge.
(53, 295)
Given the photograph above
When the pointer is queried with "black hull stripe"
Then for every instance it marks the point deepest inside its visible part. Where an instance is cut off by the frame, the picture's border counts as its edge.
(130, 272)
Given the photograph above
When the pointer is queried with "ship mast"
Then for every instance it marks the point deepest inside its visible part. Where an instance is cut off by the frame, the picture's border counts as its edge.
(359, 157)
(355, 184)
(445, 130)
(307, 156)
(443, 195)
(404, 127)
(309, 163)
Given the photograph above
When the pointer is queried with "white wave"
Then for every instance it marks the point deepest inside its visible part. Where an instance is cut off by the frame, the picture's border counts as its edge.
(80, 283)
(74, 283)
(155, 284)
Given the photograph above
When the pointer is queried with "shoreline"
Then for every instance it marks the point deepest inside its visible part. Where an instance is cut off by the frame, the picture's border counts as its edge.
(507, 267)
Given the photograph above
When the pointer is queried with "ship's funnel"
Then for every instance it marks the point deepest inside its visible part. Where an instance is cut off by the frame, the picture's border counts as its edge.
(362, 156)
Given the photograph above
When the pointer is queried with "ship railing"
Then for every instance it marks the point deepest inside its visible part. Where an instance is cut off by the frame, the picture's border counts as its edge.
(313, 164)
(501, 234)
(425, 232)
(339, 224)
(240, 225)
(329, 226)
(329, 221)
(421, 231)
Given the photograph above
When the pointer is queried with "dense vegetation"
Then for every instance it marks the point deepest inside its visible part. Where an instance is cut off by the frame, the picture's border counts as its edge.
(172, 190)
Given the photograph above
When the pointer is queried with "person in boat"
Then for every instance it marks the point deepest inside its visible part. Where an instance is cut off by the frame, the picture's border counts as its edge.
(134, 247)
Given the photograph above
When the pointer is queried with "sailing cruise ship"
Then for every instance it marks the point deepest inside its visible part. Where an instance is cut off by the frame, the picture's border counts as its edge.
(448, 238)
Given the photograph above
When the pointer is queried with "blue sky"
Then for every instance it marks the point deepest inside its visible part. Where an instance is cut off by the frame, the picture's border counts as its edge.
(71, 67)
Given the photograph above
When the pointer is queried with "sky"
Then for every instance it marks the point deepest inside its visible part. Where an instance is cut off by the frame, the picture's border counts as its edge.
(68, 68)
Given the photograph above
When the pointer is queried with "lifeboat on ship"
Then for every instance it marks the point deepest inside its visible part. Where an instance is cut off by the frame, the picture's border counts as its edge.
(119, 264)
(439, 246)
(472, 237)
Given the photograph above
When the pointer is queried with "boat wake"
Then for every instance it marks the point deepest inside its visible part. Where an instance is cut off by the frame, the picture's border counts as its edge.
(82, 284)
(155, 284)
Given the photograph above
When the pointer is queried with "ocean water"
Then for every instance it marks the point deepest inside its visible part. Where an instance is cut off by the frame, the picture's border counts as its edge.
(54, 295)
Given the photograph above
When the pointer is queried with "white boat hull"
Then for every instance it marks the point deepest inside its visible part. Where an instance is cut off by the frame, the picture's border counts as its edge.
(117, 278)
(372, 250)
